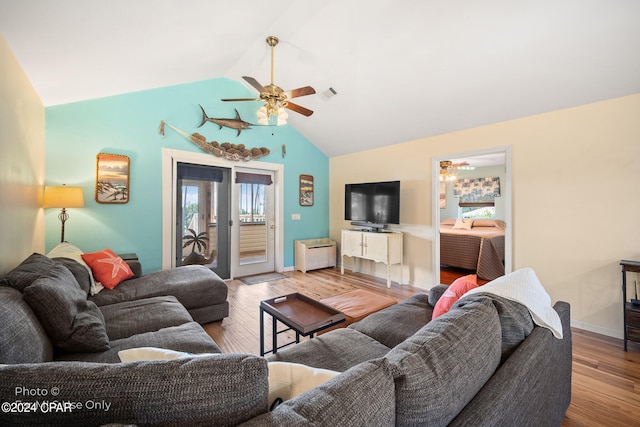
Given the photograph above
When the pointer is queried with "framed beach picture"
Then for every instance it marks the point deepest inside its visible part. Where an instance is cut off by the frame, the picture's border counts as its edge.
(306, 190)
(112, 178)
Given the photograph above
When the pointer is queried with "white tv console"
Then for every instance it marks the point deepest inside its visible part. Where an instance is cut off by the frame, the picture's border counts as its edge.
(385, 247)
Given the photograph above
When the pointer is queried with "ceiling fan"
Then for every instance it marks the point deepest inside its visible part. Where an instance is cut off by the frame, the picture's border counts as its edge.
(446, 166)
(274, 97)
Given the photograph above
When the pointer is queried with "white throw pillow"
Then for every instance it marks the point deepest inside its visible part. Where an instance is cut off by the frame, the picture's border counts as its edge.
(463, 223)
(287, 380)
(67, 250)
(154, 353)
(523, 286)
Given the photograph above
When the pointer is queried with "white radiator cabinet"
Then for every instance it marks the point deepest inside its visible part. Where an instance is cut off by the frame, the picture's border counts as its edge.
(385, 247)
(312, 254)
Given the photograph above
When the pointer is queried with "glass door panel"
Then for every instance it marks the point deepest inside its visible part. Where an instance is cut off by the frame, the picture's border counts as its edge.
(253, 223)
(255, 219)
(202, 217)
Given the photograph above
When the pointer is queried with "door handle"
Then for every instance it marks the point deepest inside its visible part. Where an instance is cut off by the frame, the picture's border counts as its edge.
(230, 222)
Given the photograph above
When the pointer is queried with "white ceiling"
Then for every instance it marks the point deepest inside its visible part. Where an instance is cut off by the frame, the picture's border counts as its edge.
(403, 69)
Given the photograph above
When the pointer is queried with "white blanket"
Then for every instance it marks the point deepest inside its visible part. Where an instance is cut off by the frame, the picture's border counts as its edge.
(524, 287)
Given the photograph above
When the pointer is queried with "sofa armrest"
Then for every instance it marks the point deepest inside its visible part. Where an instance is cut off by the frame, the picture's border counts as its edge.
(200, 390)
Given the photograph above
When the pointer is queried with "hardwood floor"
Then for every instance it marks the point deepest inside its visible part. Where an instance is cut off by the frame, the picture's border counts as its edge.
(605, 383)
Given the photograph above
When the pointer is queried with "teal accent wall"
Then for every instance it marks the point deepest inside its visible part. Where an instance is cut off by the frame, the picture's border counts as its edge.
(129, 124)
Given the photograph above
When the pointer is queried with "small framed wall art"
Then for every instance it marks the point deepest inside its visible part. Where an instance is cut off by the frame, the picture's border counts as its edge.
(112, 178)
(306, 190)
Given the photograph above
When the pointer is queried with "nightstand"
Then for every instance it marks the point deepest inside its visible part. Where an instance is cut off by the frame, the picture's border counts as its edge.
(631, 311)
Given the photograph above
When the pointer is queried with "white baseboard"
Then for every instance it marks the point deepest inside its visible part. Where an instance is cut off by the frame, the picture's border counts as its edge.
(597, 329)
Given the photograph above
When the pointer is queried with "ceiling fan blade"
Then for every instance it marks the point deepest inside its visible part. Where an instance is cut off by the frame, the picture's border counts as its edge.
(301, 91)
(455, 165)
(299, 109)
(253, 82)
(240, 99)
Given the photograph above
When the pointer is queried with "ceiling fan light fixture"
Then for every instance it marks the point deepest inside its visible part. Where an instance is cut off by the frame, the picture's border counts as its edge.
(268, 115)
(445, 172)
(282, 117)
(447, 177)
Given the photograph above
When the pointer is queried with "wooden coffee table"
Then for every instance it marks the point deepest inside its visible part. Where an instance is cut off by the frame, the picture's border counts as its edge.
(299, 313)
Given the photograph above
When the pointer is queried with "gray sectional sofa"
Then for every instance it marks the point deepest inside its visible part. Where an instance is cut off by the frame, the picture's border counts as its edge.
(483, 363)
(47, 313)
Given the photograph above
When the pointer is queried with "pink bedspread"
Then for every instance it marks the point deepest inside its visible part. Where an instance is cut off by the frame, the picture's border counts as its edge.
(480, 249)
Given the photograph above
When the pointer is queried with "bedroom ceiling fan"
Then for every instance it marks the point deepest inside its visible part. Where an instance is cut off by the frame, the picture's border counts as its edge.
(275, 98)
(447, 166)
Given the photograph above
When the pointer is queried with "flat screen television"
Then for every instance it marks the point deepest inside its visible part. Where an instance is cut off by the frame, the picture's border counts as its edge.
(372, 204)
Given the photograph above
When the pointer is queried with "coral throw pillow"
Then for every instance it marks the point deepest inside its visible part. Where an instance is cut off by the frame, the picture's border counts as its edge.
(458, 288)
(108, 268)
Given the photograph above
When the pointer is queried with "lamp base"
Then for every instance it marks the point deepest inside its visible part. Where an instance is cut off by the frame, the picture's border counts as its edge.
(63, 216)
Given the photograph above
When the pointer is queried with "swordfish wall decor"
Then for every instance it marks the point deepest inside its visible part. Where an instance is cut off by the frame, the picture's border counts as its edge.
(237, 123)
(234, 152)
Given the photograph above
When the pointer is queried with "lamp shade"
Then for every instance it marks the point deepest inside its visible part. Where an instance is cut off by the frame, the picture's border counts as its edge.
(62, 197)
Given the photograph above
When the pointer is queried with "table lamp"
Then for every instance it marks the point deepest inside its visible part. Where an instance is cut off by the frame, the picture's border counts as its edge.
(63, 197)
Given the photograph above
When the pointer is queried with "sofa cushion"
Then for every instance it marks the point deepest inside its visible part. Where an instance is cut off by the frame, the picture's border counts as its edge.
(66, 253)
(72, 323)
(435, 293)
(188, 337)
(135, 317)
(22, 337)
(361, 396)
(515, 321)
(27, 271)
(194, 286)
(412, 313)
(337, 350)
(441, 367)
(79, 272)
(108, 268)
(216, 390)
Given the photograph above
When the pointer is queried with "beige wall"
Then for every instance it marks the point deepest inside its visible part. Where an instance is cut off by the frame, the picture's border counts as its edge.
(576, 200)
(22, 163)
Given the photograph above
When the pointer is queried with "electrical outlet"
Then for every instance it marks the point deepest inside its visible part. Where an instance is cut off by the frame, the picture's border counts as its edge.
(295, 217)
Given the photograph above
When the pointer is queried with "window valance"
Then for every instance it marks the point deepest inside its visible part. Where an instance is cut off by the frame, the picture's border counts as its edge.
(477, 189)
(253, 178)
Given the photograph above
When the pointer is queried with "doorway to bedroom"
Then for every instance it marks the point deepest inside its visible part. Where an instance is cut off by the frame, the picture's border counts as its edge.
(474, 188)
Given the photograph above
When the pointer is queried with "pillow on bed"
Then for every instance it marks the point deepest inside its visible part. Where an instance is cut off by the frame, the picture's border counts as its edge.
(496, 223)
(463, 224)
(449, 221)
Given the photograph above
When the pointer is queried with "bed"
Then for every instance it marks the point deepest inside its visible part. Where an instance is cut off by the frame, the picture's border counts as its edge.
(476, 245)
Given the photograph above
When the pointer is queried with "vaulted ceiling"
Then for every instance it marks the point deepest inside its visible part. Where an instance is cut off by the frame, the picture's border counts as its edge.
(402, 70)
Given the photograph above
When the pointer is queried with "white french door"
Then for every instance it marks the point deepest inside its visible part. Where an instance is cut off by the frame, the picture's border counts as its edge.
(254, 219)
(274, 260)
